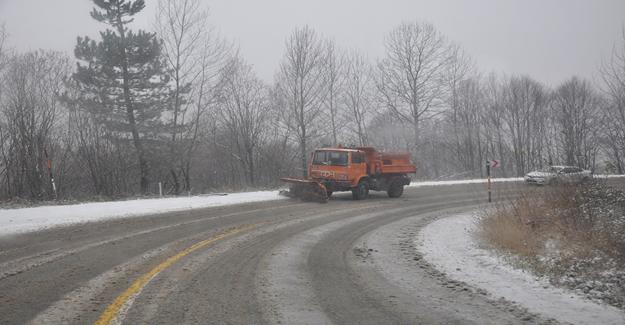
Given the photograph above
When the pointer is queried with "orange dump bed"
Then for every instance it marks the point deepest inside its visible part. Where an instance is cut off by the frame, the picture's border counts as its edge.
(389, 162)
(393, 163)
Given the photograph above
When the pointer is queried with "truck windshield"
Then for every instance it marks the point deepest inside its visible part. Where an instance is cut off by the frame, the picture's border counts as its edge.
(331, 158)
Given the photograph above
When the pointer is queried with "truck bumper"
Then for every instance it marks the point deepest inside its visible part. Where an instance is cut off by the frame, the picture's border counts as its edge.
(336, 186)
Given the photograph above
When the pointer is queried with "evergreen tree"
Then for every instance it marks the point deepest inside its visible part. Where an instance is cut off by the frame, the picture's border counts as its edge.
(122, 78)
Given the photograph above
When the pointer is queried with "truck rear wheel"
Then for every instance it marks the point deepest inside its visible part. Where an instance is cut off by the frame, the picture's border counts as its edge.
(395, 190)
(361, 191)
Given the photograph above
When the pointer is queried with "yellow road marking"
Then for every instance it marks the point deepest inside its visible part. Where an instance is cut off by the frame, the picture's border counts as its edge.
(112, 311)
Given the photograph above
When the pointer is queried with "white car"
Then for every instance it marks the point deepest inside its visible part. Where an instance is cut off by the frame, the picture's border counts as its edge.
(558, 174)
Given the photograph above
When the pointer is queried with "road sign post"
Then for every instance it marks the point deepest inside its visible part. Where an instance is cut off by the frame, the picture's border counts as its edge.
(488, 176)
(490, 164)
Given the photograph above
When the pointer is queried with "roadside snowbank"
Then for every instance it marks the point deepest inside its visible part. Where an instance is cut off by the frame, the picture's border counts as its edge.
(465, 181)
(449, 245)
(608, 176)
(32, 219)
(493, 180)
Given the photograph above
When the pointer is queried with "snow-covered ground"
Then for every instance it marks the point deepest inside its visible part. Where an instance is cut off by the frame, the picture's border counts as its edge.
(449, 244)
(37, 218)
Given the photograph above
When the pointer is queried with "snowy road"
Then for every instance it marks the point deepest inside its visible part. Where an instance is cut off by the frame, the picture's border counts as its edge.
(284, 261)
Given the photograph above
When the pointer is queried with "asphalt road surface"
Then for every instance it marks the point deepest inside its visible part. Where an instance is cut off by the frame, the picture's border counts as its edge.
(277, 262)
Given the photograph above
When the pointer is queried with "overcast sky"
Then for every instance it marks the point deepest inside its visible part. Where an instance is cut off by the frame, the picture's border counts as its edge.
(549, 40)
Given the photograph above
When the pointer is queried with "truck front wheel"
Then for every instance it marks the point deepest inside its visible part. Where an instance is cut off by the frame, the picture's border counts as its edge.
(361, 191)
(395, 190)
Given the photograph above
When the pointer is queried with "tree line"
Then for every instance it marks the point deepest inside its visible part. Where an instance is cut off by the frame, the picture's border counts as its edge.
(179, 105)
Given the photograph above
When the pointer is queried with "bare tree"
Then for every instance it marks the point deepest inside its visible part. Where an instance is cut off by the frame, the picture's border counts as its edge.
(3, 55)
(612, 140)
(465, 100)
(411, 76)
(576, 113)
(358, 96)
(279, 156)
(466, 119)
(613, 76)
(32, 83)
(203, 93)
(5, 143)
(493, 121)
(334, 79)
(194, 54)
(101, 159)
(300, 83)
(3, 38)
(244, 108)
(525, 103)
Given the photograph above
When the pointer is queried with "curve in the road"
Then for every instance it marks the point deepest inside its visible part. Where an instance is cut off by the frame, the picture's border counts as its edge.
(303, 263)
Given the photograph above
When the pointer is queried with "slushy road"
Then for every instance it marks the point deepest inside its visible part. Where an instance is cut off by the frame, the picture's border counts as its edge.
(285, 261)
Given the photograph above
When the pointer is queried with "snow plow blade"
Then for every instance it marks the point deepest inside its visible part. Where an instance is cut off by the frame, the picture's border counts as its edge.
(306, 190)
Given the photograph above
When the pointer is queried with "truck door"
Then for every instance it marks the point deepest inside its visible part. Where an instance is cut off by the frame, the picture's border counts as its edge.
(358, 167)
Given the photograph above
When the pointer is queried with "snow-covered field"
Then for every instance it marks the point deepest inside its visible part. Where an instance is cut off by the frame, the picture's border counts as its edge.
(449, 244)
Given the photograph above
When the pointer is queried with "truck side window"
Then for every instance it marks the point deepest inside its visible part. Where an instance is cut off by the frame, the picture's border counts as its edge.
(357, 158)
(320, 158)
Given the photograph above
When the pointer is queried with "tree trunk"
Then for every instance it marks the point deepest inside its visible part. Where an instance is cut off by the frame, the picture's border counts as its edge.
(304, 160)
(250, 158)
(174, 156)
(130, 114)
(415, 129)
(174, 177)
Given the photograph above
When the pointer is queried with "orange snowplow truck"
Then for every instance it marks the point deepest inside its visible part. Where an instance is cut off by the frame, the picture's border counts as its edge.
(358, 170)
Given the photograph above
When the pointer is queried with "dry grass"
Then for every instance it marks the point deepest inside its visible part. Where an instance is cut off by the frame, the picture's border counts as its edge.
(578, 219)
(521, 226)
(574, 234)
(506, 232)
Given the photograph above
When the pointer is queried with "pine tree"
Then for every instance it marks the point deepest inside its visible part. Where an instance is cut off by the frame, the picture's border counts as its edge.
(122, 78)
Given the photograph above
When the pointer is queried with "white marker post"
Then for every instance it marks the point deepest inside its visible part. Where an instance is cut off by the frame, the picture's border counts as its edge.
(49, 165)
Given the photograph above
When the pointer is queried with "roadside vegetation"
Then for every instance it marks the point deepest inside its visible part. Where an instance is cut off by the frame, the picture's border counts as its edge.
(572, 234)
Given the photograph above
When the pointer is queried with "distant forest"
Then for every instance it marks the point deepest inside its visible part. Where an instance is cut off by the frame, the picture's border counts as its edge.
(179, 105)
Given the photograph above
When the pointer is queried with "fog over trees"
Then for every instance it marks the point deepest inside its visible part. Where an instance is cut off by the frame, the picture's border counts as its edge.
(180, 105)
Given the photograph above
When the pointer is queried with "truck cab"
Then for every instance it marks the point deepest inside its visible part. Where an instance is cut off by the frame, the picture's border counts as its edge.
(344, 167)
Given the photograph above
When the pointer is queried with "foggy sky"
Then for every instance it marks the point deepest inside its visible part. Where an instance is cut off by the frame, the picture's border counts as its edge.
(548, 40)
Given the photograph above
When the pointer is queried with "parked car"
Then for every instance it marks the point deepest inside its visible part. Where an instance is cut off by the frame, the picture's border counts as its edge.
(558, 174)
